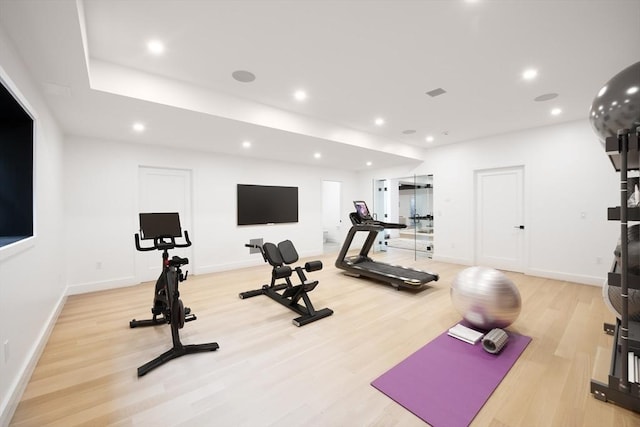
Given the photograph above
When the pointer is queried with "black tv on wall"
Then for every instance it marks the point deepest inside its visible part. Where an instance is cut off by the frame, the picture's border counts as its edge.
(267, 204)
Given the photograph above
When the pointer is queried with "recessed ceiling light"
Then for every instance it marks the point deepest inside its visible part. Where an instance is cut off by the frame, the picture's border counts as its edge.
(530, 74)
(556, 111)
(632, 90)
(379, 121)
(369, 163)
(546, 97)
(317, 155)
(300, 95)
(156, 47)
(246, 144)
(138, 127)
(429, 138)
(243, 76)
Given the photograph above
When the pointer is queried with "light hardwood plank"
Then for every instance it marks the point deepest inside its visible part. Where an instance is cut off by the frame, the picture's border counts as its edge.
(267, 372)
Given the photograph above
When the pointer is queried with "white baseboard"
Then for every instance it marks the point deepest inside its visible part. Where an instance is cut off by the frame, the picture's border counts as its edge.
(252, 261)
(21, 380)
(452, 260)
(215, 268)
(83, 288)
(567, 277)
(548, 274)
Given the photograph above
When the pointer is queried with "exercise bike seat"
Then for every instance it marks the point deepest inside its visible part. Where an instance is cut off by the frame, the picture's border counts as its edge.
(176, 261)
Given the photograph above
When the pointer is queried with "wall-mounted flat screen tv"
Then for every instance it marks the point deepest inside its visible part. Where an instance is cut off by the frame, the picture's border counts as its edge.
(267, 204)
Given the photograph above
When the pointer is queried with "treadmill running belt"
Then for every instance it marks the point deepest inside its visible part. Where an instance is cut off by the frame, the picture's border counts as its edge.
(394, 271)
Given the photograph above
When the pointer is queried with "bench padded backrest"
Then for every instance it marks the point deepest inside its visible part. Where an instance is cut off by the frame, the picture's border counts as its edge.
(273, 255)
(288, 252)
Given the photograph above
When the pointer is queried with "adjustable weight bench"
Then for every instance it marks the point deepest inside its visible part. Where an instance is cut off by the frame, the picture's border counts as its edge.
(281, 257)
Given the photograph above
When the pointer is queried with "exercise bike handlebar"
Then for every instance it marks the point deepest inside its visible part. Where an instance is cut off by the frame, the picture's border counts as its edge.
(160, 243)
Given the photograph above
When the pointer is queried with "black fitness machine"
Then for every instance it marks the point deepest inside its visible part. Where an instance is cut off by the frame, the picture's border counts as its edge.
(363, 265)
(280, 257)
(163, 229)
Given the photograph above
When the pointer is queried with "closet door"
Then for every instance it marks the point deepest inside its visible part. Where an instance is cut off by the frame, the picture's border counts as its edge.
(500, 232)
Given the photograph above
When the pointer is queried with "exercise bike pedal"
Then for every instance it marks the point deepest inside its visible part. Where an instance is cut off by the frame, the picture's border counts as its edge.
(188, 316)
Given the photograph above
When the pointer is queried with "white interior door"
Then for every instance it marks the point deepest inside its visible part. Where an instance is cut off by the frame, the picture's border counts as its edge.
(500, 232)
(163, 190)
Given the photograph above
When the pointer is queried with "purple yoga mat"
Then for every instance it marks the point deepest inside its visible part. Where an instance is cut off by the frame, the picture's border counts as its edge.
(447, 381)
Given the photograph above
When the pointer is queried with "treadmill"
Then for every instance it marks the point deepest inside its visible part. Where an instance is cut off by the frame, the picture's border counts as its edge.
(361, 265)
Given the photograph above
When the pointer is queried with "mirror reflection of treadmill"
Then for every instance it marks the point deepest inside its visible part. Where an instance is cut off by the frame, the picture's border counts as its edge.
(363, 265)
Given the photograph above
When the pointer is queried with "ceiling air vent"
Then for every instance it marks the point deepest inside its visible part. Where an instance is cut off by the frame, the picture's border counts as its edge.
(436, 92)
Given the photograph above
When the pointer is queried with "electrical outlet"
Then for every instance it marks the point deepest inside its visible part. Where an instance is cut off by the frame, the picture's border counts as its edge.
(99, 265)
(598, 260)
(5, 350)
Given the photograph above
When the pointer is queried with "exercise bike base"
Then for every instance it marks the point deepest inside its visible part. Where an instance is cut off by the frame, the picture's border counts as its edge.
(158, 321)
(174, 353)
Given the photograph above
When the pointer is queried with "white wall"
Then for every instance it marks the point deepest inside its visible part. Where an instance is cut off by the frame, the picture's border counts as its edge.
(101, 212)
(32, 274)
(566, 174)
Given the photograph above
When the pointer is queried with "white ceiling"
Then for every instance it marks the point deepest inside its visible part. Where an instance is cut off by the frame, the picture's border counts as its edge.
(356, 59)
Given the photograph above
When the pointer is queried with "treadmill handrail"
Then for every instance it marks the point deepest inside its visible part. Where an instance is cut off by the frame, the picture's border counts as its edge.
(385, 225)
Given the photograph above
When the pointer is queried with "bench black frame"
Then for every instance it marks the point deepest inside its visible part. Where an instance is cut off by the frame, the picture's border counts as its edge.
(280, 257)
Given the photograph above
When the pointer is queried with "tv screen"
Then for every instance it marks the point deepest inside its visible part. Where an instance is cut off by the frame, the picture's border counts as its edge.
(266, 204)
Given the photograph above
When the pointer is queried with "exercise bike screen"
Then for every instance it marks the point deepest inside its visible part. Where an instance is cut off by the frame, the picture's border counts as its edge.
(165, 224)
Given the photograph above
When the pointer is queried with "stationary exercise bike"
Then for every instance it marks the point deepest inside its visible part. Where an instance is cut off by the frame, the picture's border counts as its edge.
(163, 228)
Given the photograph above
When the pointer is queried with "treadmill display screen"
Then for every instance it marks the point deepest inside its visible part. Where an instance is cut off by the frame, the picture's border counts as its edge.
(362, 209)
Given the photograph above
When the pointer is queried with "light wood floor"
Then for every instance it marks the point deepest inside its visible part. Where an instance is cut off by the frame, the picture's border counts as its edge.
(268, 372)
